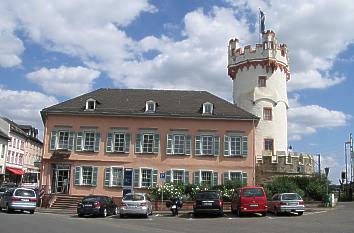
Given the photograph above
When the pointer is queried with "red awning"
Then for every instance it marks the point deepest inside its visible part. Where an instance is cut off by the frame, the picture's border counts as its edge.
(15, 170)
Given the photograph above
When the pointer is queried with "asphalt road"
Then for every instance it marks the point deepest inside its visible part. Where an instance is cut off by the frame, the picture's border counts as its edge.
(337, 220)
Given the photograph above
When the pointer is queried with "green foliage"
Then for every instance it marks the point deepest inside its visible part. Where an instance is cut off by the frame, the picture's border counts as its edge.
(311, 188)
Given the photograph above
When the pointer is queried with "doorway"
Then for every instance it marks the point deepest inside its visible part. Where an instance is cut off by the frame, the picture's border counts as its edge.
(61, 179)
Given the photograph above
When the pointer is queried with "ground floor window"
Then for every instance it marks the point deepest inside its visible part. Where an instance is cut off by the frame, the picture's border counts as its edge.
(86, 175)
(146, 177)
(178, 176)
(205, 178)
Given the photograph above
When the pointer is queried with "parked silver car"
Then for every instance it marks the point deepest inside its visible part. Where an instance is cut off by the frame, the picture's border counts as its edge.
(286, 202)
(135, 204)
(19, 199)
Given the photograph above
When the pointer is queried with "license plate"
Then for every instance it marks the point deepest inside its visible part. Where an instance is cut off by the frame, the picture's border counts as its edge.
(88, 205)
(25, 200)
(253, 205)
(174, 207)
(292, 204)
(207, 204)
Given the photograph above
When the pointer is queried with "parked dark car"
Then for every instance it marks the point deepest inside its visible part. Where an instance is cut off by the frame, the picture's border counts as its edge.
(250, 199)
(287, 203)
(97, 205)
(208, 202)
(19, 199)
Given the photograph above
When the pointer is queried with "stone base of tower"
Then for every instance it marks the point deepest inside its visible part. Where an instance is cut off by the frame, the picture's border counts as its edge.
(283, 164)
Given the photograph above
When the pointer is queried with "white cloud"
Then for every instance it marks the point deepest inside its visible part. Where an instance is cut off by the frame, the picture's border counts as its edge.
(305, 120)
(23, 106)
(64, 81)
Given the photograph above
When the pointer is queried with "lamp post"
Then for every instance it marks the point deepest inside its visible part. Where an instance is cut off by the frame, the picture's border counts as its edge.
(327, 172)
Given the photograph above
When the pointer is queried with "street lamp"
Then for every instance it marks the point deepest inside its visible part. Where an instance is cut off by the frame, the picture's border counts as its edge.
(327, 172)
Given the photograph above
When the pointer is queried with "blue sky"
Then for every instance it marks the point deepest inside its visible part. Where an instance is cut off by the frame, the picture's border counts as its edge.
(54, 50)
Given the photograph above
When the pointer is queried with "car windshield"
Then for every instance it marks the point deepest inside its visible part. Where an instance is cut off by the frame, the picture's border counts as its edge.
(25, 193)
(291, 196)
(207, 195)
(135, 197)
(253, 192)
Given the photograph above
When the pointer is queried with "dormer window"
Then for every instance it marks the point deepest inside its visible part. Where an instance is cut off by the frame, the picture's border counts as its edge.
(150, 106)
(90, 104)
(208, 108)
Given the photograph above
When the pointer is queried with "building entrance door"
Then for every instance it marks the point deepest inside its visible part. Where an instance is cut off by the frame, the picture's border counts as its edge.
(61, 179)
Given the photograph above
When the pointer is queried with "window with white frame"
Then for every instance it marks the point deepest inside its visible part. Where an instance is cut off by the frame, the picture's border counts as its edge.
(150, 106)
(147, 143)
(235, 145)
(178, 144)
(62, 139)
(207, 145)
(90, 104)
(178, 176)
(146, 177)
(86, 175)
(3, 151)
(208, 108)
(118, 142)
(236, 175)
(206, 178)
(89, 140)
(113, 177)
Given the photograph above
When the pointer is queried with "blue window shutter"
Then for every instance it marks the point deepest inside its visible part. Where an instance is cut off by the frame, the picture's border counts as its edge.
(138, 143)
(120, 181)
(94, 176)
(127, 143)
(188, 145)
(156, 143)
(136, 178)
(196, 178)
(186, 177)
(169, 144)
(244, 178)
(168, 176)
(109, 147)
(77, 175)
(216, 145)
(154, 177)
(244, 146)
(70, 141)
(215, 179)
(97, 142)
(78, 141)
(53, 140)
(107, 176)
(197, 145)
(226, 145)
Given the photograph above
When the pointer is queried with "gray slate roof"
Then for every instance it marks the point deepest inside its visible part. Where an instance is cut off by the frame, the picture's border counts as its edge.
(4, 136)
(170, 103)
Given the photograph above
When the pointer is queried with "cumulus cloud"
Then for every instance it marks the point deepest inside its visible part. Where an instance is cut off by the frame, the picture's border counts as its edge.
(23, 106)
(305, 120)
(64, 81)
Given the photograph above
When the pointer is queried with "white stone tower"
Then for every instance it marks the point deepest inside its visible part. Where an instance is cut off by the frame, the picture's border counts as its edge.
(260, 77)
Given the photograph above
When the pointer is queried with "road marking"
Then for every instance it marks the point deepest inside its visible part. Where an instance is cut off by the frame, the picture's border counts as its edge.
(317, 212)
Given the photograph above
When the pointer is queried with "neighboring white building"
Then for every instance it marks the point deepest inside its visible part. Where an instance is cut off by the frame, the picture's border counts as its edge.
(3, 152)
(260, 78)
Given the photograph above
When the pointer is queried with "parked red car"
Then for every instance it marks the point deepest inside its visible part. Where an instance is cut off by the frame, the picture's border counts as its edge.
(250, 199)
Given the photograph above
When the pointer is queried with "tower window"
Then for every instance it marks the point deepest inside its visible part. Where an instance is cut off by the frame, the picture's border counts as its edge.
(208, 108)
(268, 144)
(262, 81)
(267, 114)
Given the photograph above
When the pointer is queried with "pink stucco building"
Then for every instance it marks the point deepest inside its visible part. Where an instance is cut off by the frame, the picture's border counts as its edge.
(112, 140)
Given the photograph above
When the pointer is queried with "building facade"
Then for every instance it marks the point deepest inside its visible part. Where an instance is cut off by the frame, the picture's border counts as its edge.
(3, 152)
(112, 140)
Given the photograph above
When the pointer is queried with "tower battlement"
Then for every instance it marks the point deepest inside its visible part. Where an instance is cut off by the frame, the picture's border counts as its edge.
(268, 54)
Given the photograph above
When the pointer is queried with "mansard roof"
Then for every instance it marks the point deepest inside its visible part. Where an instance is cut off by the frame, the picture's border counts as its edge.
(169, 103)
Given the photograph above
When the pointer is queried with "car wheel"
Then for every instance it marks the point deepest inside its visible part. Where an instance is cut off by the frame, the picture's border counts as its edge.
(264, 214)
(238, 213)
(276, 213)
(104, 212)
(31, 211)
(80, 215)
(121, 215)
(300, 213)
